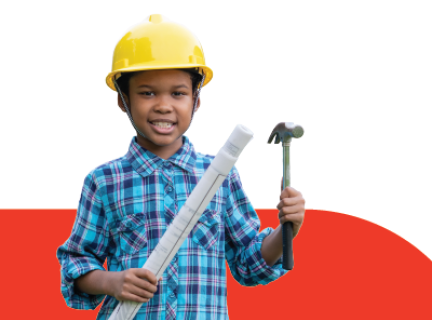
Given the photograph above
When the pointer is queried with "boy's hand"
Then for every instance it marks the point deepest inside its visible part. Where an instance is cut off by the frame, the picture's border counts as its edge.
(291, 208)
(135, 284)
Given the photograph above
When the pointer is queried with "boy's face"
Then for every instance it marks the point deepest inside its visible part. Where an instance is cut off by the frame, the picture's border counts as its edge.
(161, 103)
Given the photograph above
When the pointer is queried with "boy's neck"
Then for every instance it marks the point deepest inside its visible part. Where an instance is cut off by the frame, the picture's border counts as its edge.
(164, 152)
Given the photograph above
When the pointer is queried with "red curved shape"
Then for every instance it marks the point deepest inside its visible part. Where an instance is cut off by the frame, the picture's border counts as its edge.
(345, 268)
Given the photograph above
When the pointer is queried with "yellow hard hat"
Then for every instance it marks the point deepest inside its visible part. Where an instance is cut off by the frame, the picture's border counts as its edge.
(158, 44)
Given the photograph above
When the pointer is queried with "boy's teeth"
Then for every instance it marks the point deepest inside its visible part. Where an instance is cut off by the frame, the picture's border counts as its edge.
(163, 124)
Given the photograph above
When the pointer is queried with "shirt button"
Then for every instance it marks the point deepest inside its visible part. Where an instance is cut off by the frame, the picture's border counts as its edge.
(170, 189)
(166, 164)
(128, 224)
(172, 295)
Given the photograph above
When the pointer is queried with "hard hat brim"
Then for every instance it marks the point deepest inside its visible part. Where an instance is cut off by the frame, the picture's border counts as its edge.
(116, 74)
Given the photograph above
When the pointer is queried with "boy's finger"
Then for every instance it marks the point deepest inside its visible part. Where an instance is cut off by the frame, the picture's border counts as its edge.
(135, 298)
(289, 192)
(146, 274)
(145, 285)
(289, 202)
(141, 292)
(291, 209)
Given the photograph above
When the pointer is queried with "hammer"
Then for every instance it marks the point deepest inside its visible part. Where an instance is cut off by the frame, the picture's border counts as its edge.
(284, 131)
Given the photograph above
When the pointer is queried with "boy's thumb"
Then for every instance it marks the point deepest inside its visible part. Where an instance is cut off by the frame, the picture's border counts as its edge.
(285, 193)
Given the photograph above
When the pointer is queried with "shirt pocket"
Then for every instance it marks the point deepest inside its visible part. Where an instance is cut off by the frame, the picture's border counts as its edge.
(206, 231)
(132, 233)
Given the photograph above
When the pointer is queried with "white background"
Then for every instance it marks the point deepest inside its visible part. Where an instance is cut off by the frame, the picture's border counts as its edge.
(356, 75)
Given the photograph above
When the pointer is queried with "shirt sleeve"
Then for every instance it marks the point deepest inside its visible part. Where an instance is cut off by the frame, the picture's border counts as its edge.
(243, 239)
(86, 249)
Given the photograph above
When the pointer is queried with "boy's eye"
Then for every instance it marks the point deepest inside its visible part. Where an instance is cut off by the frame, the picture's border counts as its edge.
(147, 93)
(178, 93)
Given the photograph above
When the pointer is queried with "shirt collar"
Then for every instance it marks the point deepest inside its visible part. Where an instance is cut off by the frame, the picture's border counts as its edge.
(145, 162)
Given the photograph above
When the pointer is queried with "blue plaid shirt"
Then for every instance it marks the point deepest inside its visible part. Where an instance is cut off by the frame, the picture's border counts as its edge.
(126, 206)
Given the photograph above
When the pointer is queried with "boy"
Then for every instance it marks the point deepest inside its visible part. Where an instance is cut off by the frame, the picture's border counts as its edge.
(127, 204)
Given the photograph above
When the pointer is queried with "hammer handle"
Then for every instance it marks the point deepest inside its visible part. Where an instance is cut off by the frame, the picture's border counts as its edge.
(287, 235)
(287, 228)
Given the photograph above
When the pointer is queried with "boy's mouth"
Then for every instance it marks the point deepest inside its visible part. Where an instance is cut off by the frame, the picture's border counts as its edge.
(162, 126)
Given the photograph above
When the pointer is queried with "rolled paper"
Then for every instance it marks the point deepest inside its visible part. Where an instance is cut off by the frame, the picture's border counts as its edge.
(189, 214)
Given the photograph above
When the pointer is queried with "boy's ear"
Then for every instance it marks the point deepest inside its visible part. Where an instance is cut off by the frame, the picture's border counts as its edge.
(198, 104)
(120, 102)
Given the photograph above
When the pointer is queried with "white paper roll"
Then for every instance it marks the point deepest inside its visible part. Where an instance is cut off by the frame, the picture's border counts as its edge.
(189, 214)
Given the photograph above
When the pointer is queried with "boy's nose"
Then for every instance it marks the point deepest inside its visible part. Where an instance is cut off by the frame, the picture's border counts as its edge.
(163, 108)
(163, 105)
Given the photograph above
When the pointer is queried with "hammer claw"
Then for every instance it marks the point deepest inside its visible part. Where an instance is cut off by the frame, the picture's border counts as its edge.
(274, 134)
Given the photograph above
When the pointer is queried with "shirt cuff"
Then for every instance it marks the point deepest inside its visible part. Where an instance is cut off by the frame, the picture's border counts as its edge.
(264, 274)
(73, 268)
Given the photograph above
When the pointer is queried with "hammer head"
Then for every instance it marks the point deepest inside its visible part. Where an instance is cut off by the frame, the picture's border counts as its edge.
(284, 131)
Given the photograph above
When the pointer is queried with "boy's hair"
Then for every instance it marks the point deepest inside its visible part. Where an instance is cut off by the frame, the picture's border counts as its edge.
(123, 80)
